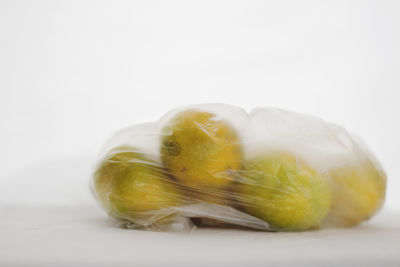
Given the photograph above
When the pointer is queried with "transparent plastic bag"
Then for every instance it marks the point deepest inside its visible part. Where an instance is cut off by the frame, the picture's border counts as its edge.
(217, 165)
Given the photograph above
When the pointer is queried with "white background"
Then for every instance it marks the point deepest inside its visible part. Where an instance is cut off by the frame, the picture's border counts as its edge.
(74, 72)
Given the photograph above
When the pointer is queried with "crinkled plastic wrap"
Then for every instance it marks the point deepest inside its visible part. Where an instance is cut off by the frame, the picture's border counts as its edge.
(218, 165)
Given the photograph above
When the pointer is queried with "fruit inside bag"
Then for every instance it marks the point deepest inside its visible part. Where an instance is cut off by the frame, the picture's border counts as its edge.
(217, 165)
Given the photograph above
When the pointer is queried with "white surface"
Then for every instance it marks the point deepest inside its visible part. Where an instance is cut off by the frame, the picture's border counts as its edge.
(83, 236)
(73, 72)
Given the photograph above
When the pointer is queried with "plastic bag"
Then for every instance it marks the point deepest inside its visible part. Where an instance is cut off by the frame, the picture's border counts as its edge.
(217, 165)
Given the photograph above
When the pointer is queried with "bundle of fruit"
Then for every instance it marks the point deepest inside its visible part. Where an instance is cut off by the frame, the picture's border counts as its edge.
(270, 169)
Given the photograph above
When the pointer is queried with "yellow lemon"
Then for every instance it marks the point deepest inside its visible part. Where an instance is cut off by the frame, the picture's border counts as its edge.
(284, 192)
(128, 185)
(200, 150)
(358, 191)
